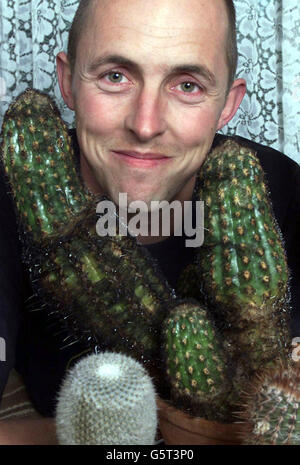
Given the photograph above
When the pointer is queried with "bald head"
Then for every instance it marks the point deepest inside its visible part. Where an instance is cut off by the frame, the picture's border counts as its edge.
(86, 7)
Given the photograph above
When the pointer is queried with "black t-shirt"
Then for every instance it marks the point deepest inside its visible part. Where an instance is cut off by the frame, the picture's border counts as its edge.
(43, 354)
(10, 285)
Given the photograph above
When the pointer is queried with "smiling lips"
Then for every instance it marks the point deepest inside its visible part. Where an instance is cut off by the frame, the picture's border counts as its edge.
(142, 156)
(141, 159)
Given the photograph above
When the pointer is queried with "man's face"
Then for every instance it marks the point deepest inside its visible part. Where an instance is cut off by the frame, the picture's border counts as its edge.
(149, 90)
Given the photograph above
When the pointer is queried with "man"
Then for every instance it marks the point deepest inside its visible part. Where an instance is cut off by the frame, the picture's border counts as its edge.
(146, 90)
(151, 82)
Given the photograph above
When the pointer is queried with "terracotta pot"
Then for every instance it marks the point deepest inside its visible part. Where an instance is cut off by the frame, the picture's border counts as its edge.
(179, 428)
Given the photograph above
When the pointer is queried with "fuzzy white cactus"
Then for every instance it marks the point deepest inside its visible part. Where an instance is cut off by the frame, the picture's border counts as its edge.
(106, 398)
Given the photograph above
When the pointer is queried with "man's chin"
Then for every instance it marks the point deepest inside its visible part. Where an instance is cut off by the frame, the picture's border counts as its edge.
(125, 197)
(134, 203)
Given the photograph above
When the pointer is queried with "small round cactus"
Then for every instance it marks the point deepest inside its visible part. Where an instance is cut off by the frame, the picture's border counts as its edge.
(272, 407)
(106, 399)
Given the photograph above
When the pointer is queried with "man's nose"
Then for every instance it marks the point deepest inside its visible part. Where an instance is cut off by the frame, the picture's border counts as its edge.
(146, 116)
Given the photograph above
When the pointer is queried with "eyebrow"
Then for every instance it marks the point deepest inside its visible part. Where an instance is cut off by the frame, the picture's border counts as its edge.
(178, 69)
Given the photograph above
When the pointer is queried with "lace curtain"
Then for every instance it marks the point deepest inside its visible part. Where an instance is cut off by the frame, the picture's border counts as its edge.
(32, 32)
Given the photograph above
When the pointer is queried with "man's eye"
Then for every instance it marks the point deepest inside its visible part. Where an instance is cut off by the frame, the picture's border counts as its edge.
(113, 81)
(115, 77)
(189, 87)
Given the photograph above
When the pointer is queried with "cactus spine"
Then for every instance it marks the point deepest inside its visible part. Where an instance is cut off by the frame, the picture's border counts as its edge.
(272, 407)
(106, 398)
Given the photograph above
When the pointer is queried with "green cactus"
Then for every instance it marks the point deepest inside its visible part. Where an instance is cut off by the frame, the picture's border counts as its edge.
(40, 167)
(197, 367)
(271, 408)
(108, 399)
(242, 268)
(105, 290)
(108, 286)
(109, 290)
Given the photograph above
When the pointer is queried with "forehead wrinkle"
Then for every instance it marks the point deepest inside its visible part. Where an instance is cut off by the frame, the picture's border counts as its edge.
(175, 37)
(119, 18)
(182, 35)
(159, 18)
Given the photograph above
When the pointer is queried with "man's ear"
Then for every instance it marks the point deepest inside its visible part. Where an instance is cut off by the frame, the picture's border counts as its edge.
(233, 101)
(65, 79)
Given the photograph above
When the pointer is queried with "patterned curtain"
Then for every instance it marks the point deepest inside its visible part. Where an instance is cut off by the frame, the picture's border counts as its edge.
(32, 32)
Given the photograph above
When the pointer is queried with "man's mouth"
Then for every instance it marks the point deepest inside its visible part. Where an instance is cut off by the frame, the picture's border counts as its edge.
(141, 158)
